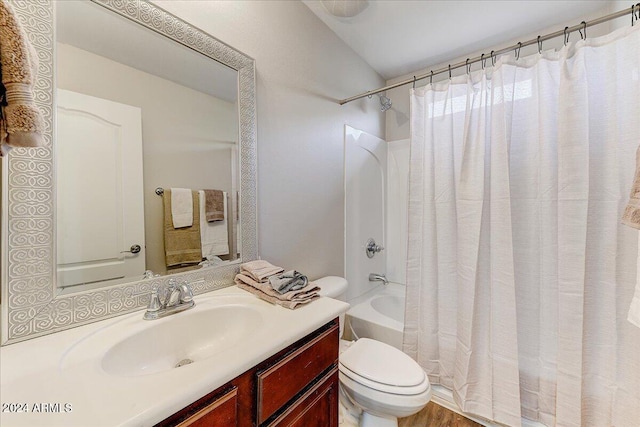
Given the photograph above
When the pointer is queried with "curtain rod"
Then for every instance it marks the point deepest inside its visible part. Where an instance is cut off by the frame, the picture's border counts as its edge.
(516, 47)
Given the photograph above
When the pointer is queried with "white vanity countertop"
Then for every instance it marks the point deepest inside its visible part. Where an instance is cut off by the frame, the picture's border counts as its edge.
(38, 374)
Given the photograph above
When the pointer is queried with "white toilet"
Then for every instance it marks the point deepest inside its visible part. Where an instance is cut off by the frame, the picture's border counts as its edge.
(381, 381)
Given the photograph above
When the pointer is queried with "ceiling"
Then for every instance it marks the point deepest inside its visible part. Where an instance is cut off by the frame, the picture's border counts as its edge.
(397, 37)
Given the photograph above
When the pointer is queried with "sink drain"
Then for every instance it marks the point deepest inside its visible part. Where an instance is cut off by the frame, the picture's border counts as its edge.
(184, 362)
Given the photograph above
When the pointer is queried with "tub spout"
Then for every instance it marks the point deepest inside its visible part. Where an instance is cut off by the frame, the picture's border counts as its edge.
(374, 277)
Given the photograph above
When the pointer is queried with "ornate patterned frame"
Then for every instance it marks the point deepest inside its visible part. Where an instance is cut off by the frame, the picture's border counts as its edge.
(30, 304)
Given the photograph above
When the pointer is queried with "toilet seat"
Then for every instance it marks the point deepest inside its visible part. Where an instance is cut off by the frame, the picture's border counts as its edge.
(382, 367)
(384, 388)
(383, 404)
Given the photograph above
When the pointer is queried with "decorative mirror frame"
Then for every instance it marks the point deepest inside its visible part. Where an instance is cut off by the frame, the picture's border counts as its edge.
(30, 304)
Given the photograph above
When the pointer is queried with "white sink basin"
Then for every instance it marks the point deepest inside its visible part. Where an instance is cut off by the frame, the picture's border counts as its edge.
(186, 339)
(136, 347)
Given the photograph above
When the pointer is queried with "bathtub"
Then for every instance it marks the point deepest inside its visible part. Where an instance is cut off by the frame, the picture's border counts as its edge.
(378, 314)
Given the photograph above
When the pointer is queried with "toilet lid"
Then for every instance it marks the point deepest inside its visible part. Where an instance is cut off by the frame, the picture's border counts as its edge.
(382, 363)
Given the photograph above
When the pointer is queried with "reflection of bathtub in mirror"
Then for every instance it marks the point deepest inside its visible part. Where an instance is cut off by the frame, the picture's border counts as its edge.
(379, 314)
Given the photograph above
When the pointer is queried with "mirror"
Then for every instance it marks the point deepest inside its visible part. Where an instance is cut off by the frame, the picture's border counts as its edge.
(137, 112)
(167, 107)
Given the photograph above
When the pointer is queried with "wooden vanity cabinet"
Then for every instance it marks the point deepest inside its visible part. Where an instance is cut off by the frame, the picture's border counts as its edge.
(297, 386)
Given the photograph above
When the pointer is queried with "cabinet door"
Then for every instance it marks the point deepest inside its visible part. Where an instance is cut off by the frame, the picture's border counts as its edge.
(285, 379)
(316, 408)
(222, 412)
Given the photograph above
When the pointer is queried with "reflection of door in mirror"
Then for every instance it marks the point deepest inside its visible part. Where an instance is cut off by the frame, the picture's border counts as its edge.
(100, 212)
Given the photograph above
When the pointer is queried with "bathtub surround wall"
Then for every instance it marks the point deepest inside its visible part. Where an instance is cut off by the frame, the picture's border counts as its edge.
(302, 68)
(365, 195)
(376, 194)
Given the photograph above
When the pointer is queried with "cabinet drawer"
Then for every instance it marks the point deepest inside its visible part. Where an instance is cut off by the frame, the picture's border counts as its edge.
(222, 412)
(318, 407)
(286, 378)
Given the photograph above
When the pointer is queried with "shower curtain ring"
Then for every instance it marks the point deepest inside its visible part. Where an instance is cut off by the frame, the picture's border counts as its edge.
(493, 59)
(518, 50)
(482, 60)
(539, 45)
(566, 35)
(414, 82)
(449, 71)
(468, 66)
(584, 28)
(431, 78)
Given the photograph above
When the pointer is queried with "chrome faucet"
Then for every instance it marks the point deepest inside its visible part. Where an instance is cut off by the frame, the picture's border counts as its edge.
(374, 277)
(177, 298)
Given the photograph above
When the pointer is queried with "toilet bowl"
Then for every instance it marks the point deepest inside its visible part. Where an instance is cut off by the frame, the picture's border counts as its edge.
(378, 382)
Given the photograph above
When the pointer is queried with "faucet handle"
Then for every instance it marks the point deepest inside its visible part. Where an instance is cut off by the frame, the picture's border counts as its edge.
(154, 302)
(186, 293)
(372, 248)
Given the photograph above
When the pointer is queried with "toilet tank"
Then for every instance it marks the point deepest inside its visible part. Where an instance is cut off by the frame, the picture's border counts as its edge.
(334, 287)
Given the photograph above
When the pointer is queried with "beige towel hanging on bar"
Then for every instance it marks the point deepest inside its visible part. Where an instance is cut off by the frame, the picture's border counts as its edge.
(182, 245)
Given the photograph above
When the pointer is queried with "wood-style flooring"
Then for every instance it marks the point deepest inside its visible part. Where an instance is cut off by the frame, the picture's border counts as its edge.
(436, 416)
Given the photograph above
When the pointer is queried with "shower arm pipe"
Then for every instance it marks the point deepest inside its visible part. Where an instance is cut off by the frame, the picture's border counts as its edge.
(582, 26)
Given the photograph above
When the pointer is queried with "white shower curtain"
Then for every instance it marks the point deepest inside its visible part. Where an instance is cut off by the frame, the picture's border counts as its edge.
(519, 272)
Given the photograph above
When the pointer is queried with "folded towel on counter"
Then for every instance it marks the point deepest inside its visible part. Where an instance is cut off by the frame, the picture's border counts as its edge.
(214, 235)
(264, 291)
(21, 124)
(260, 270)
(181, 245)
(215, 205)
(288, 281)
(182, 207)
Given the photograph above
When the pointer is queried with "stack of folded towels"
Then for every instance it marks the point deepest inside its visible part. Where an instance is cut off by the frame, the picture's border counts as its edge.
(271, 283)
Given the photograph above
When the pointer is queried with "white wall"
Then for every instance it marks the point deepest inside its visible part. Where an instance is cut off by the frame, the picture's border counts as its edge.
(302, 69)
(397, 119)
